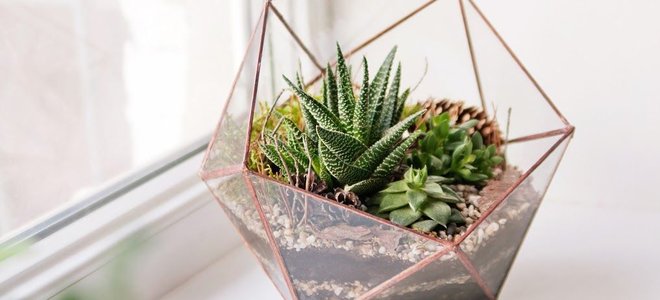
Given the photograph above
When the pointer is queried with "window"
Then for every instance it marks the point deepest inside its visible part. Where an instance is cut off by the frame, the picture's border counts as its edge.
(105, 109)
(93, 92)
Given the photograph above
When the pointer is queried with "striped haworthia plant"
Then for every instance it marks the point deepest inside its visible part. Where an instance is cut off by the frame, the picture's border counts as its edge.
(355, 142)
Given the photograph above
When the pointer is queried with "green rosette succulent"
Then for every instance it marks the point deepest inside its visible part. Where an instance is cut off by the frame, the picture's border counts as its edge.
(418, 200)
(451, 151)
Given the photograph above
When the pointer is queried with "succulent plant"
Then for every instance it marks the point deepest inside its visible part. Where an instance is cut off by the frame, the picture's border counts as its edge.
(449, 150)
(419, 200)
(352, 142)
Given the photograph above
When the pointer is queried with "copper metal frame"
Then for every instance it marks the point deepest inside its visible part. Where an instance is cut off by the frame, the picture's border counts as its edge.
(566, 132)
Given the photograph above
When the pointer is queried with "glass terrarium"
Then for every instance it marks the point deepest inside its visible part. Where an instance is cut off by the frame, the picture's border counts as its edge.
(312, 247)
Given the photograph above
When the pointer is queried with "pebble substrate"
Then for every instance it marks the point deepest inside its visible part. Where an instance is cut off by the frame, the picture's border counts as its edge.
(330, 236)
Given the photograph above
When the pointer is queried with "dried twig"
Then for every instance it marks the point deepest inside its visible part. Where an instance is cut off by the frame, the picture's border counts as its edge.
(426, 69)
(270, 111)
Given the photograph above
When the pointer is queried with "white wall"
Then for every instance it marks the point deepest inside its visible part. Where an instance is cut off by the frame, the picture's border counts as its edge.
(599, 61)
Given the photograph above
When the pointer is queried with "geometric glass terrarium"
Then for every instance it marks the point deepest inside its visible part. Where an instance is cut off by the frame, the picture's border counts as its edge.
(312, 247)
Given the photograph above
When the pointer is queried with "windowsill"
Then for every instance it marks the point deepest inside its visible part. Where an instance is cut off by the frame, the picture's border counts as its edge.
(578, 261)
(246, 280)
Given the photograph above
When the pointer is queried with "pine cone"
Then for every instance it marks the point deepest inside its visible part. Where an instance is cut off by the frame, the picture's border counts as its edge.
(346, 198)
(460, 113)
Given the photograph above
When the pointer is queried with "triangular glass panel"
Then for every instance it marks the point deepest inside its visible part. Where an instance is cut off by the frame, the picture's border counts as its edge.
(332, 251)
(233, 195)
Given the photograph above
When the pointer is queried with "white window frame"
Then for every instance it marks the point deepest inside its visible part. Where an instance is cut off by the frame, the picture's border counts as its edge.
(74, 243)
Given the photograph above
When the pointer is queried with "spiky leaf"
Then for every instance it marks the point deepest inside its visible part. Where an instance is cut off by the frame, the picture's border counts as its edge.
(389, 105)
(345, 90)
(371, 158)
(377, 92)
(331, 97)
(400, 104)
(294, 137)
(344, 146)
(322, 116)
(343, 171)
(281, 159)
(310, 123)
(298, 157)
(395, 157)
(361, 126)
(367, 186)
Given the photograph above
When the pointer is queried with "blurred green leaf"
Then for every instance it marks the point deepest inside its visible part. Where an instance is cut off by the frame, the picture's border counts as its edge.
(405, 216)
(416, 199)
(393, 201)
(438, 211)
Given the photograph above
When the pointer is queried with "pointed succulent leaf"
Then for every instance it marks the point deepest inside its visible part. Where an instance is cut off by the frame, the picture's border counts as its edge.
(342, 145)
(400, 104)
(447, 197)
(477, 140)
(371, 158)
(457, 156)
(469, 124)
(433, 189)
(453, 195)
(473, 177)
(343, 171)
(322, 116)
(438, 179)
(331, 83)
(294, 136)
(389, 105)
(377, 93)
(299, 81)
(425, 225)
(456, 217)
(409, 175)
(321, 170)
(345, 90)
(367, 186)
(405, 216)
(324, 92)
(281, 159)
(310, 123)
(299, 157)
(416, 199)
(438, 211)
(395, 157)
(420, 176)
(361, 126)
(390, 202)
(396, 187)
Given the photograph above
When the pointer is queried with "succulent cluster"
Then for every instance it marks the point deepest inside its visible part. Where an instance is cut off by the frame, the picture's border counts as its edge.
(348, 141)
(419, 200)
(451, 151)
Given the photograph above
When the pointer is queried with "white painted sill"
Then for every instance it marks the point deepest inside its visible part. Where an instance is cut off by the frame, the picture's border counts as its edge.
(173, 214)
